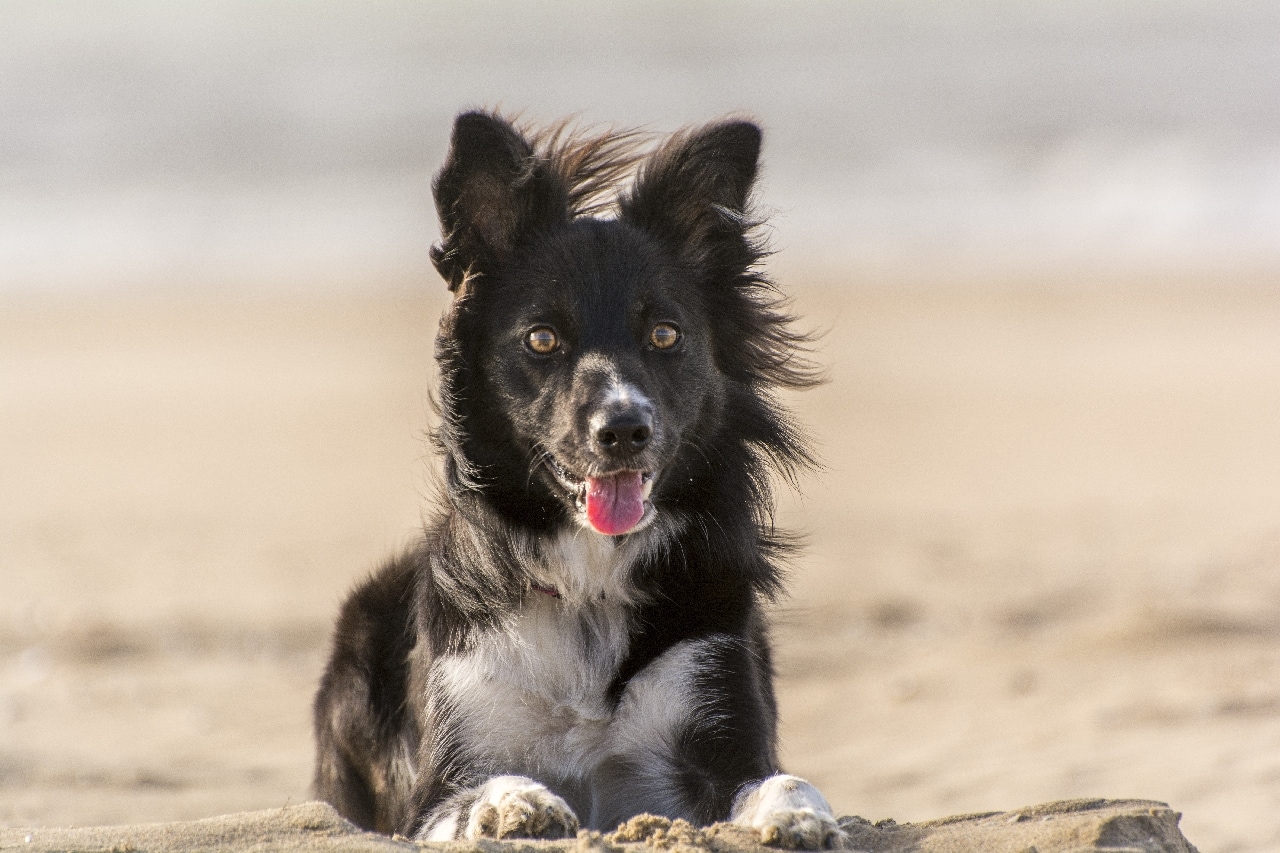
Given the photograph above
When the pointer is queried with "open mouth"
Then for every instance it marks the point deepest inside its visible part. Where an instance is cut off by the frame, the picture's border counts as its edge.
(614, 503)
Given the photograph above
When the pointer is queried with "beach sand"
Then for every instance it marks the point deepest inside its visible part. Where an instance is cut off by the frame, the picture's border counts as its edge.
(1042, 557)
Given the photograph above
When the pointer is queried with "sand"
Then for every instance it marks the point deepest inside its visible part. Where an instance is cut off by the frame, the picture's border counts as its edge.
(1042, 558)
(1134, 826)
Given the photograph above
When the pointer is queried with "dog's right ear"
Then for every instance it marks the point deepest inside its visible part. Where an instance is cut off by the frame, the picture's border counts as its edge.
(491, 194)
(695, 192)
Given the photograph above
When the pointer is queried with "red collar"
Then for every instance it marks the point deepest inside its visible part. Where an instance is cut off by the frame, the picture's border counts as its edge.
(545, 590)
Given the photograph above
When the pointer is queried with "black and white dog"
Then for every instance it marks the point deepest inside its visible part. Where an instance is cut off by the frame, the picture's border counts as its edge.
(579, 637)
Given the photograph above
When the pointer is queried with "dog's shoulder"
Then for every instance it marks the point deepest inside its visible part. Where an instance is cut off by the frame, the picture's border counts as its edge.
(375, 632)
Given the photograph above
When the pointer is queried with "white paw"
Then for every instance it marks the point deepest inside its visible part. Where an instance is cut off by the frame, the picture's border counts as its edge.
(801, 829)
(516, 807)
(788, 812)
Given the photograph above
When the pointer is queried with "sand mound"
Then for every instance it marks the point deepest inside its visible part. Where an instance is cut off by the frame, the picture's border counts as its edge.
(1117, 826)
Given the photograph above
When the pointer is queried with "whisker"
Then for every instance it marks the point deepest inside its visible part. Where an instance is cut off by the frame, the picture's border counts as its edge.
(540, 456)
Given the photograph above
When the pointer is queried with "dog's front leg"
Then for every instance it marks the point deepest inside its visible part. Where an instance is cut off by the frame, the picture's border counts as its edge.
(501, 807)
(695, 739)
(462, 795)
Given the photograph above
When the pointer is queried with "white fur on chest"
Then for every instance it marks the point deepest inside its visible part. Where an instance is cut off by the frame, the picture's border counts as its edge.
(532, 698)
(585, 567)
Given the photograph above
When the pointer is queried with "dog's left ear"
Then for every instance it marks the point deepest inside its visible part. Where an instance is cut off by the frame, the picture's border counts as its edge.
(492, 193)
(694, 190)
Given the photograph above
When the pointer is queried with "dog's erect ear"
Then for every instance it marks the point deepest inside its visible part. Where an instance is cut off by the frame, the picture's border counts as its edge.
(694, 190)
(491, 193)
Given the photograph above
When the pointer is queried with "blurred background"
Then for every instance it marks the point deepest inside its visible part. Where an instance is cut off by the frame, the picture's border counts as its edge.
(1042, 241)
(213, 143)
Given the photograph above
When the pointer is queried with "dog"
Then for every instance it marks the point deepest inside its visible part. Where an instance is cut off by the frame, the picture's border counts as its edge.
(580, 635)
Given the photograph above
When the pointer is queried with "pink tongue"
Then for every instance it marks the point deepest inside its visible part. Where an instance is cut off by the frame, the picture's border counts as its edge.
(615, 504)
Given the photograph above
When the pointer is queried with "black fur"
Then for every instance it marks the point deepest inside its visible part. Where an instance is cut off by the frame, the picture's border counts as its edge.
(525, 246)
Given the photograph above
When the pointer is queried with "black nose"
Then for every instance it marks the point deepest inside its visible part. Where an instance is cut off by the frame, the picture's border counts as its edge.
(622, 432)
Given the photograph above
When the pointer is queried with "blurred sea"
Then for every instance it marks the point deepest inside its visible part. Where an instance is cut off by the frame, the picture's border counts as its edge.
(203, 144)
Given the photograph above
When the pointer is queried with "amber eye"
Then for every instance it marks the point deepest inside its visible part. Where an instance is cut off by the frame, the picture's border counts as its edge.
(664, 336)
(543, 340)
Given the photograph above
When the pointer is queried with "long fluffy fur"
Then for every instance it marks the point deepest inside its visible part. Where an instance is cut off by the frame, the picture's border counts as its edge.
(396, 750)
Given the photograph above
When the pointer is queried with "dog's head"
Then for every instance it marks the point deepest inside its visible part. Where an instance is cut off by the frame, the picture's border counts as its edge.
(593, 368)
